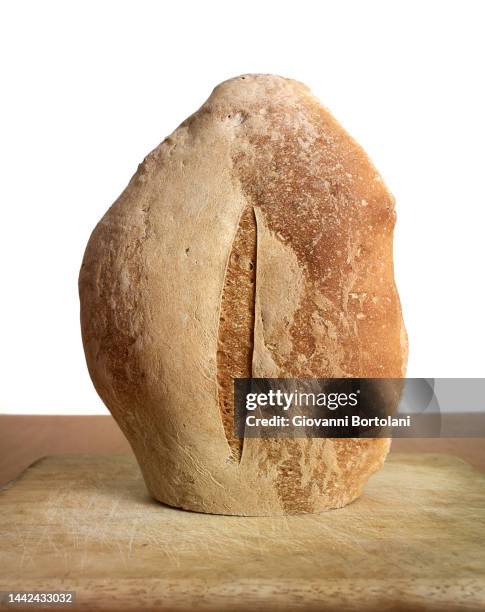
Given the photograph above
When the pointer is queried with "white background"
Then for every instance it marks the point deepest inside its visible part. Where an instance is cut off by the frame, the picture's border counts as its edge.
(89, 88)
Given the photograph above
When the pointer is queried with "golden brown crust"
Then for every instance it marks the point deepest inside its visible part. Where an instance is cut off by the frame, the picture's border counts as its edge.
(322, 198)
(170, 312)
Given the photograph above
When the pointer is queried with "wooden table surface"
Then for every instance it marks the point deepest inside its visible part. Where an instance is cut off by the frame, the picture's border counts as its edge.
(24, 439)
(85, 524)
(414, 541)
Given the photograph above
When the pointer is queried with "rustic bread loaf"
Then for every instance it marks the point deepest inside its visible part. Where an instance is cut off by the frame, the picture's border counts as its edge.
(256, 240)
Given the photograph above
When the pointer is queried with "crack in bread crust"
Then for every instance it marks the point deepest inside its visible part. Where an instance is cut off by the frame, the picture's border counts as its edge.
(236, 323)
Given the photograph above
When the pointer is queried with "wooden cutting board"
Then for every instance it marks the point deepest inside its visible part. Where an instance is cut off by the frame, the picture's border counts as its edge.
(84, 523)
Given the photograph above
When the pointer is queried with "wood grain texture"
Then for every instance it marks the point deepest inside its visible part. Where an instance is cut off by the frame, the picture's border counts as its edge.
(26, 438)
(414, 541)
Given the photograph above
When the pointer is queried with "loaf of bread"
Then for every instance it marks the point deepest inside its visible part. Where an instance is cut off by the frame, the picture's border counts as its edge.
(255, 241)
